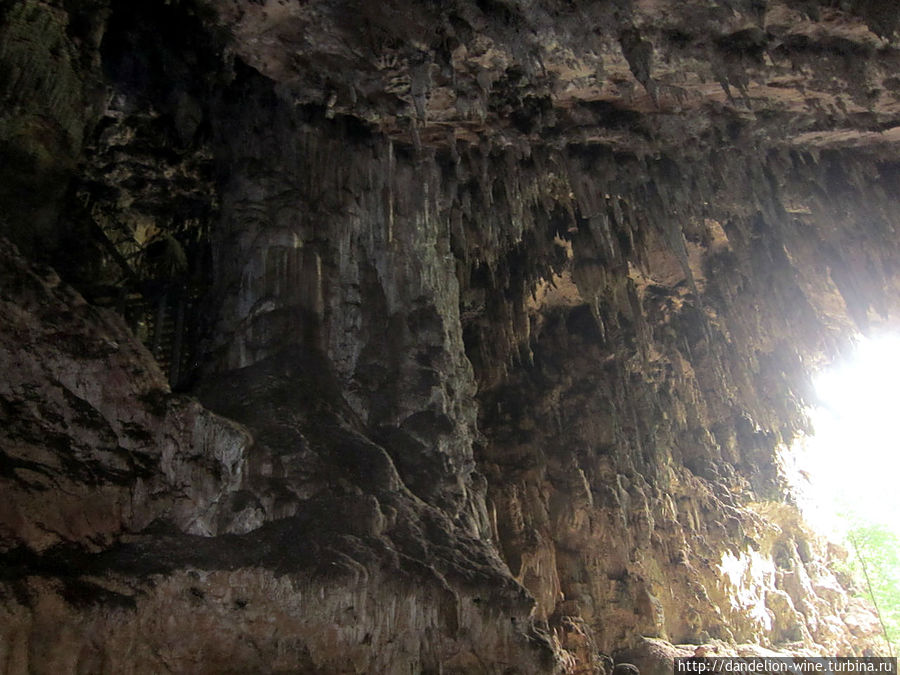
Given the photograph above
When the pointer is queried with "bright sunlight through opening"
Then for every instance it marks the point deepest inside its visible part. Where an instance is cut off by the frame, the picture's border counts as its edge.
(852, 463)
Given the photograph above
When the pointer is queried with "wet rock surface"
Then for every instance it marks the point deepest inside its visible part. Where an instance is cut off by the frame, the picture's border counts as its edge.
(487, 324)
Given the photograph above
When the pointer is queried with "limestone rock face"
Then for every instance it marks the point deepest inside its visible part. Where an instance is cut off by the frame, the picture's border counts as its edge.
(487, 325)
(93, 443)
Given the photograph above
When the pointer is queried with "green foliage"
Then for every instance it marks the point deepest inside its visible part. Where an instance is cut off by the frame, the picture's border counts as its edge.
(876, 564)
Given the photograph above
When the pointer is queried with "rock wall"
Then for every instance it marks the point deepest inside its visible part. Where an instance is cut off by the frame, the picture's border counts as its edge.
(497, 318)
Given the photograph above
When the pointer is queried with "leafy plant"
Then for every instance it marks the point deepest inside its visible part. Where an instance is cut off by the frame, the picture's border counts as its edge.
(877, 563)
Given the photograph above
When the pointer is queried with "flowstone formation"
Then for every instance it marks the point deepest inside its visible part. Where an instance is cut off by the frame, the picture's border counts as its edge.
(463, 337)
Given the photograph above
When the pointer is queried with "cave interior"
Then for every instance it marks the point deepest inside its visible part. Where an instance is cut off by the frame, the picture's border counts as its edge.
(431, 337)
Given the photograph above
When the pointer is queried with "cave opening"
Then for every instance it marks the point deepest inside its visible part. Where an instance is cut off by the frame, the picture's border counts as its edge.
(850, 462)
(848, 468)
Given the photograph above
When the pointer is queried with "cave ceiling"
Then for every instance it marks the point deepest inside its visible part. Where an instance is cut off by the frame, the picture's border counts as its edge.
(627, 74)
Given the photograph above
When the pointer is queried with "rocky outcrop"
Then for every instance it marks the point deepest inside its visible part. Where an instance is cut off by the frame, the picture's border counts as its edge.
(135, 517)
(93, 443)
(497, 317)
